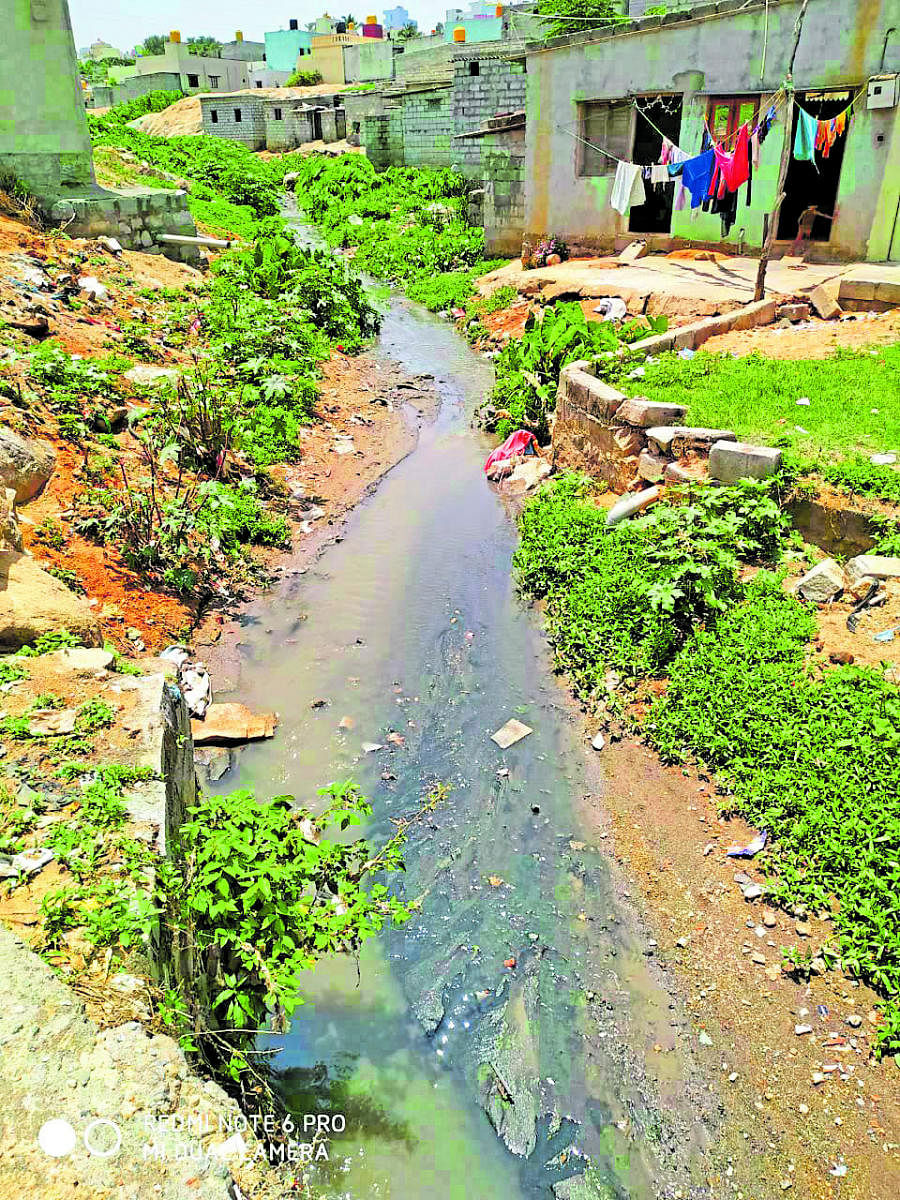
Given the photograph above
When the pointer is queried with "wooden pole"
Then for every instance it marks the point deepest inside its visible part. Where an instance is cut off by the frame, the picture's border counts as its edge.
(770, 224)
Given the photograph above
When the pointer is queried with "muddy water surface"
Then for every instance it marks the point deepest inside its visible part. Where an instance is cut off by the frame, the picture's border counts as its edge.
(458, 1076)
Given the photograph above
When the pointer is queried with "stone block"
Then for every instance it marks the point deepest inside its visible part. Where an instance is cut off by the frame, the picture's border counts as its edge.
(660, 438)
(690, 439)
(761, 312)
(792, 312)
(888, 291)
(823, 583)
(856, 289)
(824, 303)
(877, 566)
(646, 414)
(652, 467)
(731, 461)
(680, 473)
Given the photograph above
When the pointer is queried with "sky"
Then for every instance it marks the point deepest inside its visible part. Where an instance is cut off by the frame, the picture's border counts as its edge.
(127, 22)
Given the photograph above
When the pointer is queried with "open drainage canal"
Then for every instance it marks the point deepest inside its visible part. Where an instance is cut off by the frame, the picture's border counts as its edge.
(457, 1076)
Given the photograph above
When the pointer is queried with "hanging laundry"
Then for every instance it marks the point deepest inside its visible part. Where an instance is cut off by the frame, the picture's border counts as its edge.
(805, 139)
(734, 168)
(659, 173)
(665, 156)
(697, 174)
(754, 149)
(676, 169)
(628, 188)
(766, 124)
(841, 121)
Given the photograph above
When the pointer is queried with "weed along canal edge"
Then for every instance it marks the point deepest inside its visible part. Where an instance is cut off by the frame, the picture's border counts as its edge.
(504, 1037)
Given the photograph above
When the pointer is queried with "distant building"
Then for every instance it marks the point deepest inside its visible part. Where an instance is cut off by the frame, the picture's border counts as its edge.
(100, 50)
(242, 50)
(479, 21)
(195, 72)
(398, 18)
(285, 46)
(274, 122)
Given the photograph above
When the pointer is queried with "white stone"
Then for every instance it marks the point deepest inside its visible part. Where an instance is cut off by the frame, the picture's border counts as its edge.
(823, 583)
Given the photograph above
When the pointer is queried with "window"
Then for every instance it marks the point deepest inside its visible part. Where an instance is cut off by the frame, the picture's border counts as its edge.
(474, 67)
(259, 83)
(609, 126)
(214, 116)
(238, 116)
(277, 114)
(193, 81)
(214, 81)
(725, 116)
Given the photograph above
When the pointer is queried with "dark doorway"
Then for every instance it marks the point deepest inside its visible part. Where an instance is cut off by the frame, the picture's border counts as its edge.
(663, 112)
(317, 124)
(814, 183)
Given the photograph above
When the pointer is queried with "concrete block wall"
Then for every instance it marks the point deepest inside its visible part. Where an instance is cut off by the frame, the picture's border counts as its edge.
(427, 125)
(499, 87)
(503, 171)
(250, 129)
(134, 216)
(294, 128)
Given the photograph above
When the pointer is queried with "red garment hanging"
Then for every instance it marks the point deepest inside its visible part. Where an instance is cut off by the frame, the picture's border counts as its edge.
(734, 168)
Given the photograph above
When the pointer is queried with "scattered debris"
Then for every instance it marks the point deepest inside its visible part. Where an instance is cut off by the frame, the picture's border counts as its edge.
(632, 504)
(751, 849)
(510, 733)
(371, 747)
(346, 723)
(598, 741)
(49, 722)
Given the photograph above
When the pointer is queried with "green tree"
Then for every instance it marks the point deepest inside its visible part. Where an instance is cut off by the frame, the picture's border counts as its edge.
(407, 33)
(205, 46)
(576, 16)
(154, 44)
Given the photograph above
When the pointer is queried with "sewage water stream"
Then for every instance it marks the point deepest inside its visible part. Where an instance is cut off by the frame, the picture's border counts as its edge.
(457, 1076)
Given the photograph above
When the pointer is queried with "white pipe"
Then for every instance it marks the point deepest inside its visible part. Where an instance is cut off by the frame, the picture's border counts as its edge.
(179, 239)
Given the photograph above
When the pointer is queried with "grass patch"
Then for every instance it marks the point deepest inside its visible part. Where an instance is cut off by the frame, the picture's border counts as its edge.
(812, 757)
(854, 398)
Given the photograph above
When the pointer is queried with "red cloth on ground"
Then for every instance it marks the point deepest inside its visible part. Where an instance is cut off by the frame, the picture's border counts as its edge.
(734, 168)
(519, 442)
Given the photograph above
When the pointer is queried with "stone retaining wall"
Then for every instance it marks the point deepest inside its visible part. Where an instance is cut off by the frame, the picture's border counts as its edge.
(631, 441)
(134, 216)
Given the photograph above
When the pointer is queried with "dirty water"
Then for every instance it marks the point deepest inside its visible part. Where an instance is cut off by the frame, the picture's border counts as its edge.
(459, 1076)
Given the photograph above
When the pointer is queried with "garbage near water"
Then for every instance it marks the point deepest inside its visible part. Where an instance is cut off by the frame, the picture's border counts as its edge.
(510, 733)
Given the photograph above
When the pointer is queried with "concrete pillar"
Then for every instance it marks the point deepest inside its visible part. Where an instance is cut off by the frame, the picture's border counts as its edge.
(44, 136)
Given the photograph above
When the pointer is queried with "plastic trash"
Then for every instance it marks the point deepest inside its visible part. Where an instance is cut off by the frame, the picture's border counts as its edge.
(176, 654)
(510, 733)
(93, 287)
(598, 742)
(520, 443)
(751, 849)
(686, 352)
(886, 635)
(197, 688)
(882, 460)
(804, 400)
(631, 504)
(612, 308)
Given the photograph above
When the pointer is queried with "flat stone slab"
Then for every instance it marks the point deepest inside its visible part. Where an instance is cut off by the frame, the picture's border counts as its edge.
(231, 724)
(876, 566)
(646, 414)
(510, 733)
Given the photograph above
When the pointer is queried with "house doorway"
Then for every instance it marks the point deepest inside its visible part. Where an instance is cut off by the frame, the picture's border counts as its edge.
(814, 183)
(663, 117)
(317, 124)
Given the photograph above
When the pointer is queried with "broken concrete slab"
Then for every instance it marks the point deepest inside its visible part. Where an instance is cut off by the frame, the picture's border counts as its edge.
(230, 724)
(52, 722)
(823, 583)
(148, 376)
(510, 733)
(878, 566)
(696, 439)
(646, 414)
(731, 461)
(684, 472)
(633, 251)
(825, 303)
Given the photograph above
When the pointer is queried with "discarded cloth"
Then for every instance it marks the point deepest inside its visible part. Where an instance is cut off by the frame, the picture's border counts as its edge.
(697, 174)
(519, 443)
(805, 138)
(628, 188)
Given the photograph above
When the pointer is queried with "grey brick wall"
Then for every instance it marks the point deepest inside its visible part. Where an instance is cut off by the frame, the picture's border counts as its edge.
(499, 87)
(251, 129)
(503, 162)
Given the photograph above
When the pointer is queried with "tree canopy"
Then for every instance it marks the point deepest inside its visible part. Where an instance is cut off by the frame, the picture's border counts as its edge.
(576, 16)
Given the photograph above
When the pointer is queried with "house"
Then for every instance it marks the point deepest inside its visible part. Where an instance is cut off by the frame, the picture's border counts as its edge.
(398, 18)
(101, 50)
(328, 54)
(277, 123)
(285, 47)
(613, 94)
(197, 72)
